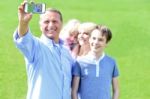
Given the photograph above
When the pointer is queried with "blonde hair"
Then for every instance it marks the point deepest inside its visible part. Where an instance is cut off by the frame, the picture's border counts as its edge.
(87, 27)
(69, 28)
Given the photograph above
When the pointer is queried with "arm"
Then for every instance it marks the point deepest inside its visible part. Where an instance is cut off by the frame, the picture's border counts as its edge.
(24, 19)
(75, 86)
(23, 38)
(115, 88)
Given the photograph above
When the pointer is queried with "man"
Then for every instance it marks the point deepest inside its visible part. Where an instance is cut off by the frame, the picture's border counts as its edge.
(48, 63)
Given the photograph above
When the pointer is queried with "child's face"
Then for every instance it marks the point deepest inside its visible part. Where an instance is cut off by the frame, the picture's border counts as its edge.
(72, 38)
(97, 41)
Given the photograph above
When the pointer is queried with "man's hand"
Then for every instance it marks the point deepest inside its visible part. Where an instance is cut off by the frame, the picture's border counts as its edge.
(24, 19)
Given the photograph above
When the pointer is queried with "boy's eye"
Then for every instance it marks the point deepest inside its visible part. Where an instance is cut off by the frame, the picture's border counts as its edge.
(94, 38)
(100, 39)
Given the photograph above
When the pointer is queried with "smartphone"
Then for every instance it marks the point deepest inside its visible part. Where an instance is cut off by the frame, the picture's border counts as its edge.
(35, 8)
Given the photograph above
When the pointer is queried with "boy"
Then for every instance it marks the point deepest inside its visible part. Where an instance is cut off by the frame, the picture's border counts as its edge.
(95, 72)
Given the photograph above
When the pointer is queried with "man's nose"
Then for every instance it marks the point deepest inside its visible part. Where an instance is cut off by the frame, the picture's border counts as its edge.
(50, 24)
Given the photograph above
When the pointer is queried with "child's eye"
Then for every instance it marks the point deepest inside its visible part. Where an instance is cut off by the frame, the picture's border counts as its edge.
(101, 39)
(79, 33)
(86, 33)
(75, 37)
(94, 38)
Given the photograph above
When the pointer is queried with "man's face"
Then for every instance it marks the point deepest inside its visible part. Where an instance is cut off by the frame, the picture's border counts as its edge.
(97, 41)
(50, 25)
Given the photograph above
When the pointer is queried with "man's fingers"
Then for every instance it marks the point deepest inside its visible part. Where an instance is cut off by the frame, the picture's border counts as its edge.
(21, 7)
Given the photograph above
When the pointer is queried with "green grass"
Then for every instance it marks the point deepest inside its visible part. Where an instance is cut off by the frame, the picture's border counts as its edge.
(128, 20)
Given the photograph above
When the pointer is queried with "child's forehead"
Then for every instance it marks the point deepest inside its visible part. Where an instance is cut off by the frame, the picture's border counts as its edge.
(73, 33)
(96, 33)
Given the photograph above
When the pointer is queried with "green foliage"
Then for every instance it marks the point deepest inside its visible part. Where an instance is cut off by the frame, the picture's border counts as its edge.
(128, 20)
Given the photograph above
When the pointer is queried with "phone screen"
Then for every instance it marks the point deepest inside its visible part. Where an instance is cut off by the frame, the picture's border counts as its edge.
(38, 8)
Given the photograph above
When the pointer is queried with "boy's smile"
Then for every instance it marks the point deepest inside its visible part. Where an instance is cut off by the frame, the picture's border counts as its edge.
(97, 41)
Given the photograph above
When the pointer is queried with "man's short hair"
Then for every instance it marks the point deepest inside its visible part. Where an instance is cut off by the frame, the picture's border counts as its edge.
(55, 10)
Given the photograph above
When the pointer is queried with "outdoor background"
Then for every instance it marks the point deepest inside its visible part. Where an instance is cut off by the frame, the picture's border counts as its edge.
(129, 21)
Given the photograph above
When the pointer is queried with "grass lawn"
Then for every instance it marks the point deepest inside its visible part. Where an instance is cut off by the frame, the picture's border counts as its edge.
(128, 20)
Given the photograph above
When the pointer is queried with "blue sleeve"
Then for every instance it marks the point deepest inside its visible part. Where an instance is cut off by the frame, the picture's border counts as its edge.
(115, 70)
(76, 70)
(26, 44)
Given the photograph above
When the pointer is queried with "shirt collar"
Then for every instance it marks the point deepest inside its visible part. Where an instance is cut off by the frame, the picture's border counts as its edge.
(93, 59)
(50, 42)
(103, 54)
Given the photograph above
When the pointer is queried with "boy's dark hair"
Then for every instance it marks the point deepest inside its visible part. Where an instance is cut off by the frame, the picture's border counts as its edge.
(105, 32)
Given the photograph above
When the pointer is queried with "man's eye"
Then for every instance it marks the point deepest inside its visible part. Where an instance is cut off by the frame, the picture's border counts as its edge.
(54, 21)
(46, 21)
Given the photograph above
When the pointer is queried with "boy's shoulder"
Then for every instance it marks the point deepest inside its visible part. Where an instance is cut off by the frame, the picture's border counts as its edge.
(109, 56)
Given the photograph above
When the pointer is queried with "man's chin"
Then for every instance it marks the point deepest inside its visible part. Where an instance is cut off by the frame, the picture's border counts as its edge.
(50, 36)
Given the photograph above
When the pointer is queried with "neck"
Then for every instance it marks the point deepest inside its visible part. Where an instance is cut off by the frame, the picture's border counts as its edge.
(84, 50)
(56, 41)
(96, 55)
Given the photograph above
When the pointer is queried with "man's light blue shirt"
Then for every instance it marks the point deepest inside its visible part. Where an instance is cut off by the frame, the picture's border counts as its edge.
(48, 70)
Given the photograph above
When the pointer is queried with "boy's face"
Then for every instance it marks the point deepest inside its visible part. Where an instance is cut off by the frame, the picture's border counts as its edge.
(97, 41)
